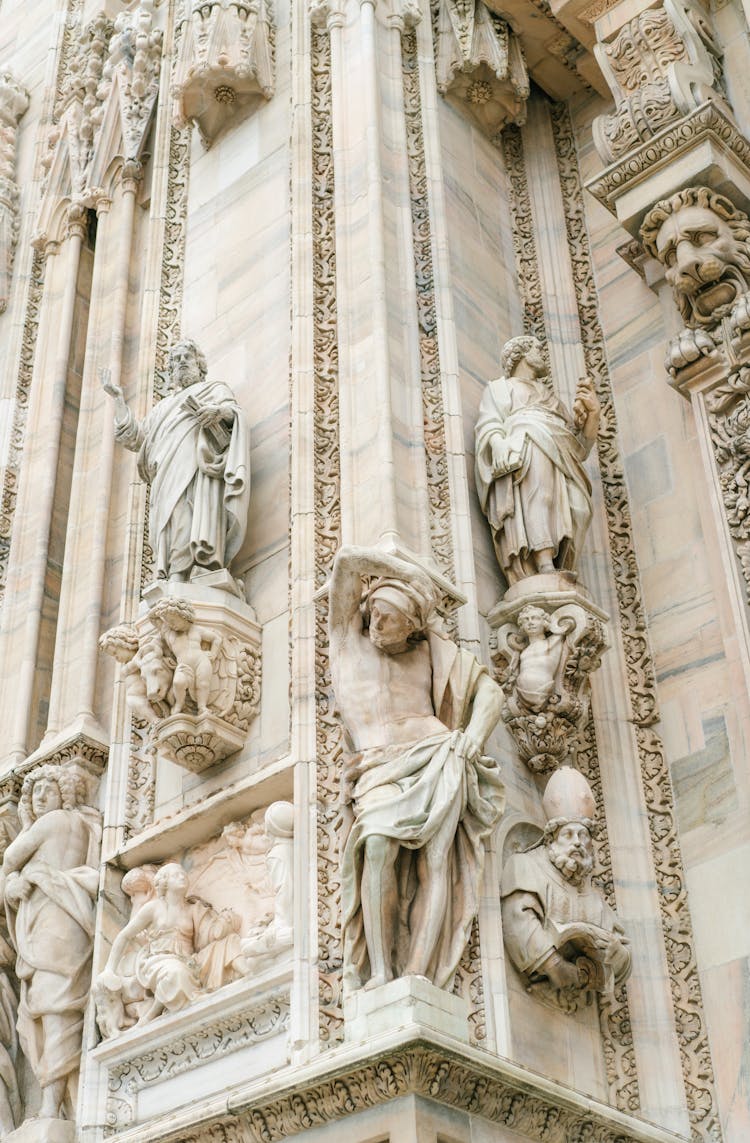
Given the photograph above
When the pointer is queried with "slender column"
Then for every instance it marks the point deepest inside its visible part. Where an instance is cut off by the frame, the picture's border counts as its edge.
(75, 665)
(28, 566)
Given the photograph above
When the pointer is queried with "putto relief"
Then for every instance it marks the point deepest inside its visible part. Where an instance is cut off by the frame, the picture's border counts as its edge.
(221, 914)
(530, 478)
(418, 796)
(191, 672)
(559, 932)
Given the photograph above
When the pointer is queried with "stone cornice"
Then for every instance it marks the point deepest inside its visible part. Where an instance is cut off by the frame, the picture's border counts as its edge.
(353, 1078)
(707, 122)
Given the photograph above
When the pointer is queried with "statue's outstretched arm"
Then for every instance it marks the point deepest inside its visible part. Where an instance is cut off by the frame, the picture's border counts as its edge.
(128, 431)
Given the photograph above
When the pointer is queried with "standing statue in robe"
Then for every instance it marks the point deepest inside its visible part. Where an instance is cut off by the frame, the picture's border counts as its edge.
(418, 796)
(50, 881)
(529, 470)
(194, 452)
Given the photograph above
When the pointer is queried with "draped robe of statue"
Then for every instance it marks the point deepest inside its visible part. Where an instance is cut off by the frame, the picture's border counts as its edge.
(200, 485)
(546, 501)
(406, 792)
(52, 932)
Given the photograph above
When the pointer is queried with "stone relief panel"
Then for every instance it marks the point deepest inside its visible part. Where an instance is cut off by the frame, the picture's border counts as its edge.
(412, 842)
(226, 64)
(14, 101)
(480, 65)
(221, 914)
(659, 65)
(49, 883)
(559, 931)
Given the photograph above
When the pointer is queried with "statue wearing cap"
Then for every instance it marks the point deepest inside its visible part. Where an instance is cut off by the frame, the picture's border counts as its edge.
(559, 931)
(418, 797)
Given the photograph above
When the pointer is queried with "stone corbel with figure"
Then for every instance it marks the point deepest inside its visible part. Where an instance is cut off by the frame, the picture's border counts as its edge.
(544, 659)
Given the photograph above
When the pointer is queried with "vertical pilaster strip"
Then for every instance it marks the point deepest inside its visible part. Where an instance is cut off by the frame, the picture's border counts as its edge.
(327, 509)
(615, 1024)
(689, 1020)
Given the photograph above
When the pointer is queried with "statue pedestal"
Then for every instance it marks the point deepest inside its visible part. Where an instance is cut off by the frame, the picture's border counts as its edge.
(547, 590)
(43, 1131)
(402, 1003)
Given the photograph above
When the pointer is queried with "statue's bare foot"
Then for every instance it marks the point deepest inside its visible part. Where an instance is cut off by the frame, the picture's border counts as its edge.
(375, 982)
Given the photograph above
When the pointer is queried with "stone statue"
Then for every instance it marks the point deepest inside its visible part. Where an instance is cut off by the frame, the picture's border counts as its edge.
(529, 465)
(194, 452)
(703, 242)
(174, 947)
(559, 931)
(418, 797)
(50, 880)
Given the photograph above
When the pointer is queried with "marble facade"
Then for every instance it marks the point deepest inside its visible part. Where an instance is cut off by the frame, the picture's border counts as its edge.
(352, 208)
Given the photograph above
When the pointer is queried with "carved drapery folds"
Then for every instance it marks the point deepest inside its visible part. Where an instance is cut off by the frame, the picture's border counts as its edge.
(480, 65)
(14, 100)
(660, 65)
(226, 63)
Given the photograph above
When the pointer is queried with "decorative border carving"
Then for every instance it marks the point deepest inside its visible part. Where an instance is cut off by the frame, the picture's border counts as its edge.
(617, 1040)
(481, 1087)
(20, 411)
(328, 731)
(690, 1025)
(707, 122)
(438, 487)
(220, 1038)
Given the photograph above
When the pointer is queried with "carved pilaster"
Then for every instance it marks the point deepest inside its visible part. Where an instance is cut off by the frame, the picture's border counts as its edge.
(660, 65)
(480, 65)
(225, 65)
(14, 100)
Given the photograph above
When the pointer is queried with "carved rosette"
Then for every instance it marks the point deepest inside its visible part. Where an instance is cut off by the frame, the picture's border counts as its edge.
(226, 63)
(548, 645)
(480, 65)
(660, 65)
(14, 100)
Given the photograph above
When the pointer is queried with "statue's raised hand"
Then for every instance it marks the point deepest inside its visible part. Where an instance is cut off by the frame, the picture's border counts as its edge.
(105, 380)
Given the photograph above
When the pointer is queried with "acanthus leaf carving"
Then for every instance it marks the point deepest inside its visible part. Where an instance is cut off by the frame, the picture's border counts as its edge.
(14, 101)
(662, 64)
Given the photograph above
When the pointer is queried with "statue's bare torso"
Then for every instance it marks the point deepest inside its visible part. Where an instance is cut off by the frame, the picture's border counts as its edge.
(384, 699)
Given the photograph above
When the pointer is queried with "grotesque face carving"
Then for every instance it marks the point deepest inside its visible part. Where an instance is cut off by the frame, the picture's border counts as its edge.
(703, 242)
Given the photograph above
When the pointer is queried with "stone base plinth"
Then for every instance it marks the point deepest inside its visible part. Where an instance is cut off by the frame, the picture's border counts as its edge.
(408, 1001)
(552, 589)
(43, 1131)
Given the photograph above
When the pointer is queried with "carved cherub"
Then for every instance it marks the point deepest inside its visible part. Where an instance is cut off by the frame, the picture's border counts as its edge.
(195, 649)
(146, 673)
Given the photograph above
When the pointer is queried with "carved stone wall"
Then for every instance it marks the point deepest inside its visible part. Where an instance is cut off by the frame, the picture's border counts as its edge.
(676, 924)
